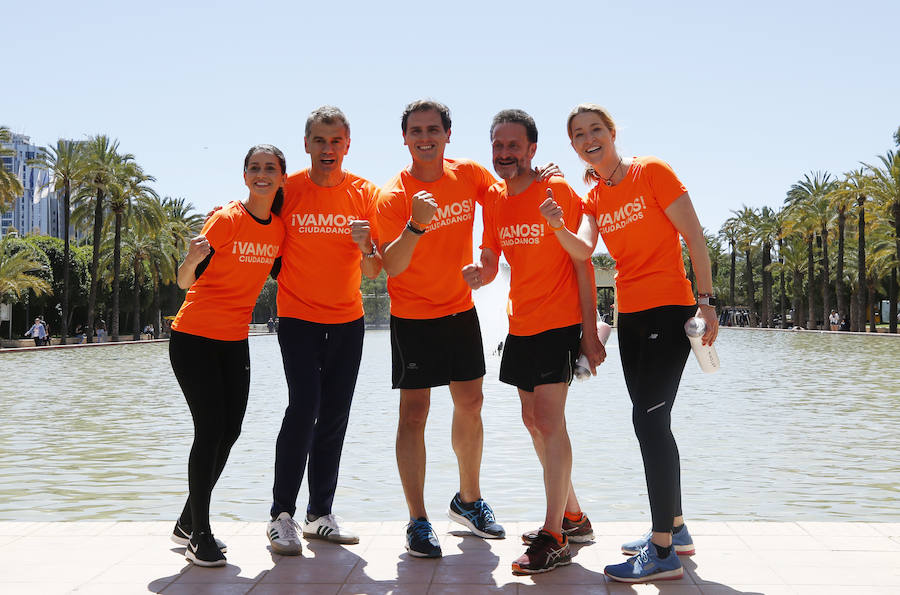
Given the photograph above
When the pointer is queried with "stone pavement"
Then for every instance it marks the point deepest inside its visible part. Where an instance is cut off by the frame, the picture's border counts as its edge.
(732, 557)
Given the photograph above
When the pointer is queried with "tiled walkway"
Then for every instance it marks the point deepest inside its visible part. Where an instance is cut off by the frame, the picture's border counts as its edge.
(137, 557)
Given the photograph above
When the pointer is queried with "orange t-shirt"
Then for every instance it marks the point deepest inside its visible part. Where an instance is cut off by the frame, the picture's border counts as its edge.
(543, 289)
(432, 285)
(220, 303)
(320, 271)
(640, 237)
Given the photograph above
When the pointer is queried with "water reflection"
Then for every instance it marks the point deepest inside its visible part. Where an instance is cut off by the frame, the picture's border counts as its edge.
(797, 426)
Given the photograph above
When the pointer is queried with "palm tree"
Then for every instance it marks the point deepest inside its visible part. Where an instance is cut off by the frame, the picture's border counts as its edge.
(102, 161)
(791, 260)
(129, 196)
(840, 200)
(10, 184)
(729, 234)
(885, 189)
(748, 220)
(768, 228)
(170, 241)
(810, 197)
(797, 223)
(66, 164)
(15, 272)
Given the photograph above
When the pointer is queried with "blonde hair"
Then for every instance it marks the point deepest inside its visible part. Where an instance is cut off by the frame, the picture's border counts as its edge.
(590, 175)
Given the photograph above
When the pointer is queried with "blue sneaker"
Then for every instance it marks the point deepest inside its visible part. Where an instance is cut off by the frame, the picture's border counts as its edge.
(681, 541)
(421, 541)
(477, 517)
(646, 566)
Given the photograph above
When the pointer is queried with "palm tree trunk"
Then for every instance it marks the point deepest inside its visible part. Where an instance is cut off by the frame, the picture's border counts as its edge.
(839, 271)
(826, 279)
(872, 327)
(797, 302)
(137, 299)
(861, 258)
(65, 296)
(854, 309)
(767, 285)
(892, 298)
(810, 285)
(782, 286)
(731, 281)
(117, 269)
(95, 265)
(751, 301)
(157, 307)
(893, 292)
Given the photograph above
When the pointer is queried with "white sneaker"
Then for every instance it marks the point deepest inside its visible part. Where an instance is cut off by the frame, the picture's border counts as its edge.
(282, 534)
(329, 528)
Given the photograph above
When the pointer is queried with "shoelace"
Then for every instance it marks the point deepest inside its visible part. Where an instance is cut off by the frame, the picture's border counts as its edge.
(422, 530)
(644, 554)
(485, 511)
(287, 528)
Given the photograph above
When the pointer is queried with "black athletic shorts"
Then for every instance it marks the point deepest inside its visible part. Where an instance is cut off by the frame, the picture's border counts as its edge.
(544, 358)
(436, 351)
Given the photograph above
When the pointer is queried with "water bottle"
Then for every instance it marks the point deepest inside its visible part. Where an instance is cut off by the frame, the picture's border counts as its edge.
(706, 354)
(582, 369)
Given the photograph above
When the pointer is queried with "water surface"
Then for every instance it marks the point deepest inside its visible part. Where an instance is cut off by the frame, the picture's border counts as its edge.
(796, 426)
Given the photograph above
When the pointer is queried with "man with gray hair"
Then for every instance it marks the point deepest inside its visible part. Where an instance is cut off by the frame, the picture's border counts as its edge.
(328, 244)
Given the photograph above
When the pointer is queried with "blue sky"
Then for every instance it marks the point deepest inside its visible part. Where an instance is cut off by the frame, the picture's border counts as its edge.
(741, 99)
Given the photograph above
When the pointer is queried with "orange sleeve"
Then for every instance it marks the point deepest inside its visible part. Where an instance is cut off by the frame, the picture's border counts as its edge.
(219, 229)
(483, 181)
(665, 184)
(570, 202)
(489, 238)
(391, 214)
(371, 210)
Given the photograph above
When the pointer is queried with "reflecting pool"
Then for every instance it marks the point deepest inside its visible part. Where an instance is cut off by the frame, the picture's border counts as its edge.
(796, 426)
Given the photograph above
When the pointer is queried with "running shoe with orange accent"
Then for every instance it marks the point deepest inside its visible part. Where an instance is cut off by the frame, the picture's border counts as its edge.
(543, 555)
(577, 532)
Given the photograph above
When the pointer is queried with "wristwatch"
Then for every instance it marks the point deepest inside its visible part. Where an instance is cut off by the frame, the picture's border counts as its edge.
(707, 299)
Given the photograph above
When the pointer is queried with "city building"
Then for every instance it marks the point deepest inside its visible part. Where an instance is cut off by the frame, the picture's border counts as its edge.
(37, 210)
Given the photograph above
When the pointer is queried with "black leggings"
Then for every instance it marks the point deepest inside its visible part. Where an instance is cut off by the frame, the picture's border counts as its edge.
(215, 378)
(654, 349)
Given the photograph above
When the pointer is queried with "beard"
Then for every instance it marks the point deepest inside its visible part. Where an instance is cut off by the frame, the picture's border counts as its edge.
(512, 170)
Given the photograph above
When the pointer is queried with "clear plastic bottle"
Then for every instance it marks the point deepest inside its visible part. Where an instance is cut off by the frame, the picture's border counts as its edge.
(582, 369)
(706, 354)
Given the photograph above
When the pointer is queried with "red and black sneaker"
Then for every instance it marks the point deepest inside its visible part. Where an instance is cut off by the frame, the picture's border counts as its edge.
(543, 555)
(577, 531)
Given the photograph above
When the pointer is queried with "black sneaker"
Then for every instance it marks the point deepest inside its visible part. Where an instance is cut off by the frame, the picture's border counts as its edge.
(182, 537)
(477, 517)
(203, 551)
(543, 555)
(577, 532)
(421, 541)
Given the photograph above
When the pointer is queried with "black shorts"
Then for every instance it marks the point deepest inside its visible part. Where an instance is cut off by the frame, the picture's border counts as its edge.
(545, 358)
(436, 351)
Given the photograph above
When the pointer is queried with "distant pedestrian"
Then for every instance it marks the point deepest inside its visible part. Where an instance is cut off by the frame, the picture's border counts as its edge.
(100, 330)
(271, 325)
(37, 332)
(834, 321)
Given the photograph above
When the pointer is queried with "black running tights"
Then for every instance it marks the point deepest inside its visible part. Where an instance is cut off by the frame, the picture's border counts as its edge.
(215, 378)
(654, 349)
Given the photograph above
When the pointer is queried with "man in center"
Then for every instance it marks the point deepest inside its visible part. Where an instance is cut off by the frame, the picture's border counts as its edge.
(425, 219)
(549, 299)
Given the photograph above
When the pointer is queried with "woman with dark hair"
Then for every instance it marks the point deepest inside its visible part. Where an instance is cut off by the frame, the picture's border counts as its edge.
(641, 208)
(225, 269)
